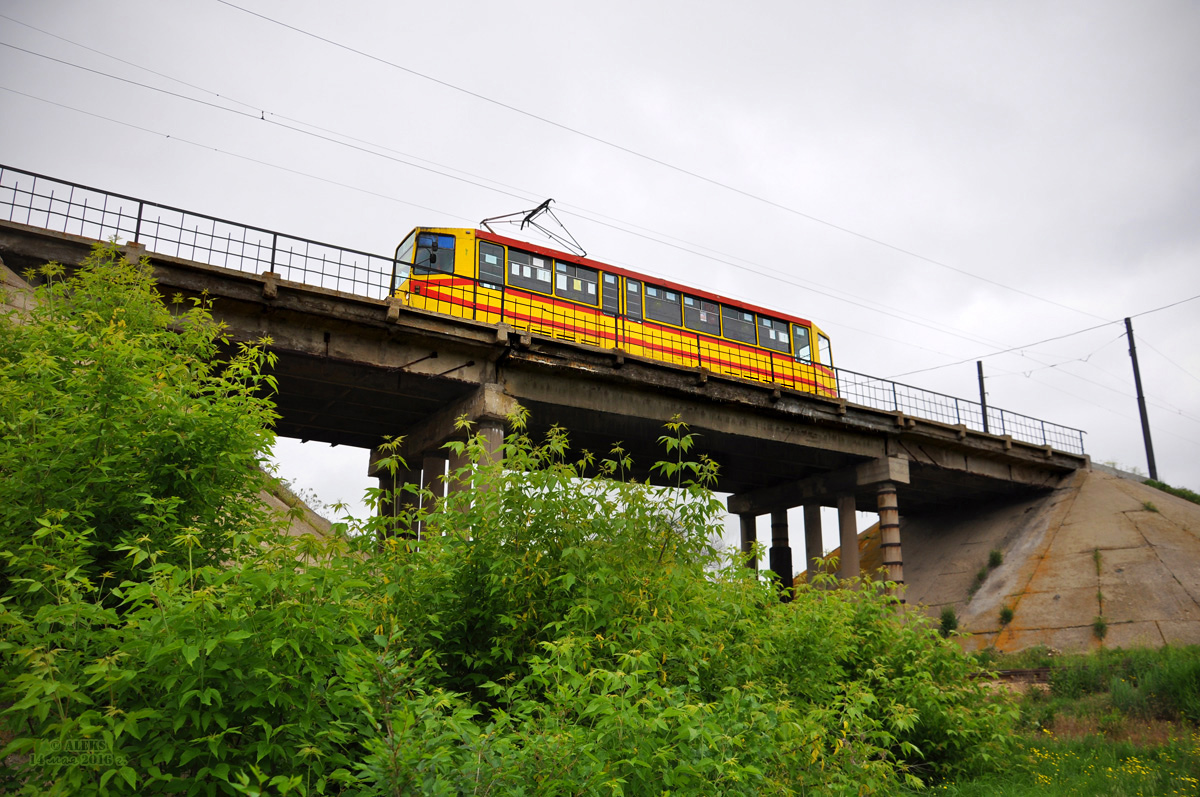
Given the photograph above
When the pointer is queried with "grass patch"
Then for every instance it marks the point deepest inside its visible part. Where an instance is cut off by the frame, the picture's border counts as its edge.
(1182, 492)
(1006, 615)
(995, 558)
(1047, 764)
(1149, 506)
(1100, 627)
(980, 577)
(1114, 722)
(1167, 678)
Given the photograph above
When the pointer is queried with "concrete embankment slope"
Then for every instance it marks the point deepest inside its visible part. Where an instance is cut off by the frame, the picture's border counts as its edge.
(1100, 546)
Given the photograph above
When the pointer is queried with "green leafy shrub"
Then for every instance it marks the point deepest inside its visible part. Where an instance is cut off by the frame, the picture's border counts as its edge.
(1127, 698)
(120, 420)
(995, 558)
(949, 621)
(1006, 615)
(1100, 627)
(559, 629)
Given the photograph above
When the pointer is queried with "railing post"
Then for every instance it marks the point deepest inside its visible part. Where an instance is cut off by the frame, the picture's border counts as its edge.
(137, 230)
(275, 244)
(895, 400)
(957, 414)
(1043, 423)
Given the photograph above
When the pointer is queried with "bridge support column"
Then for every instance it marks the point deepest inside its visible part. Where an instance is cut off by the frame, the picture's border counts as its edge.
(433, 472)
(393, 504)
(813, 546)
(889, 535)
(457, 463)
(490, 432)
(749, 524)
(848, 537)
(781, 551)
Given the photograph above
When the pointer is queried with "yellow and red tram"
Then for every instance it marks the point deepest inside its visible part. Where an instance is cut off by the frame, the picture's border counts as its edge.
(490, 278)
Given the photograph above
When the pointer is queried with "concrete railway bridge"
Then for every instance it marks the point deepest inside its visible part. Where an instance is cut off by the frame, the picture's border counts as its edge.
(355, 366)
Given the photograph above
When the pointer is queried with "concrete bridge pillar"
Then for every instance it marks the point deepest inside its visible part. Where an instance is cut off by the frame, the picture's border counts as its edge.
(433, 482)
(457, 463)
(491, 433)
(889, 533)
(848, 537)
(393, 504)
(781, 550)
(749, 524)
(813, 547)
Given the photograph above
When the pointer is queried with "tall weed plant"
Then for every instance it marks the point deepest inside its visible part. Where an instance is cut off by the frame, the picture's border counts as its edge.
(558, 629)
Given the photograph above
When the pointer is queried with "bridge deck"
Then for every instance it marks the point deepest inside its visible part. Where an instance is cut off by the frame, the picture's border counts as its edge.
(353, 369)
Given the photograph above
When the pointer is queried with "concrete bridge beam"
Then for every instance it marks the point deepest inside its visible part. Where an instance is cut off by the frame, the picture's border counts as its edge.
(822, 489)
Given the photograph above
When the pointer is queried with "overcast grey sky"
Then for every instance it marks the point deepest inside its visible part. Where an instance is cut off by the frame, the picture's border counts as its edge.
(929, 182)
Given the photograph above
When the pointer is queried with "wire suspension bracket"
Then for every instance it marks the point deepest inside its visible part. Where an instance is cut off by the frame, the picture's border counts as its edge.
(529, 218)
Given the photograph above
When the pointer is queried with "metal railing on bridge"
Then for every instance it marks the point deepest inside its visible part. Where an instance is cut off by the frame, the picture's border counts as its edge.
(41, 201)
(49, 203)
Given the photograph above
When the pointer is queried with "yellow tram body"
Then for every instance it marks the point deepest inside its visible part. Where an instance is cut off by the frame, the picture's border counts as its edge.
(490, 278)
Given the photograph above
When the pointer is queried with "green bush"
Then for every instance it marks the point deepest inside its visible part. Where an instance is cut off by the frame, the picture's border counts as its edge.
(1127, 698)
(121, 420)
(550, 634)
(995, 558)
(1100, 627)
(1170, 678)
(1079, 678)
(1006, 615)
(949, 621)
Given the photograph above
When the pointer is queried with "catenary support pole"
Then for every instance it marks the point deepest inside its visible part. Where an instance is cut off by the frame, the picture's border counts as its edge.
(982, 395)
(1137, 381)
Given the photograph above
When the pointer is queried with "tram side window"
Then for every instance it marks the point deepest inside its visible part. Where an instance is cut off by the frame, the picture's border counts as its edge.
(577, 283)
(435, 254)
(701, 316)
(803, 343)
(662, 305)
(633, 299)
(529, 271)
(491, 265)
(738, 324)
(773, 334)
(826, 351)
(610, 298)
